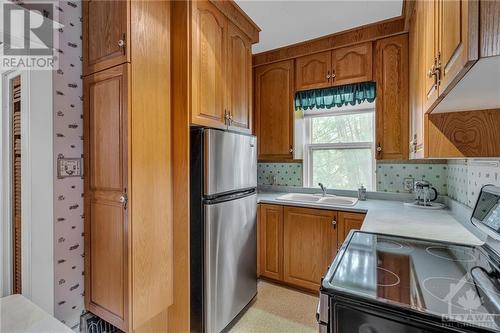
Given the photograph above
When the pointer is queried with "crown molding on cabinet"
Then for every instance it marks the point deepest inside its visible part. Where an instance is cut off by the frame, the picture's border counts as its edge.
(366, 33)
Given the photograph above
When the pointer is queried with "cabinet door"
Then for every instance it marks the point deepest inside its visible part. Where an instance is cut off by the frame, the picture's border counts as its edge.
(352, 64)
(415, 82)
(271, 241)
(208, 65)
(274, 110)
(392, 98)
(458, 27)
(105, 34)
(313, 71)
(239, 71)
(106, 222)
(347, 222)
(310, 244)
(430, 45)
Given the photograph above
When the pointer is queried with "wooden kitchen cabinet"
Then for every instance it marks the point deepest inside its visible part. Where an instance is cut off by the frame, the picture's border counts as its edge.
(348, 221)
(392, 98)
(239, 79)
(296, 245)
(458, 26)
(209, 56)
(271, 241)
(352, 64)
(106, 34)
(221, 69)
(430, 45)
(309, 245)
(274, 107)
(128, 232)
(313, 71)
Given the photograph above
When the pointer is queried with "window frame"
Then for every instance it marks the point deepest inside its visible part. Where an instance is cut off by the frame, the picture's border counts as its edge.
(310, 147)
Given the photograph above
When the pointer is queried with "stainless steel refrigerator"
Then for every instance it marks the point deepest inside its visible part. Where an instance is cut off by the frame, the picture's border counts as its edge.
(223, 237)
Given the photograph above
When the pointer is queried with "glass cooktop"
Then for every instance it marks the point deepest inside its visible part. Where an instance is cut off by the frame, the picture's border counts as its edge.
(457, 283)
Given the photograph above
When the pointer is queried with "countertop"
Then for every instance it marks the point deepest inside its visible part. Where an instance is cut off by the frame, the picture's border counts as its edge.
(20, 315)
(393, 217)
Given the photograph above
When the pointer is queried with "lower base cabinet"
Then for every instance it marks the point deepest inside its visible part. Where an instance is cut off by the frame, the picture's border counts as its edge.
(296, 245)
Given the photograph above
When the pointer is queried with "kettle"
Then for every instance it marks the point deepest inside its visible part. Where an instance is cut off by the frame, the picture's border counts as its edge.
(425, 193)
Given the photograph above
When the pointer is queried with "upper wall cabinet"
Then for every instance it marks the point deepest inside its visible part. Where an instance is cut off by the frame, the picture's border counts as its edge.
(454, 67)
(352, 64)
(106, 34)
(392, 98)
(346, 65)
(274, 110)
(239, 77)
(313, 71)
(221, 68)
(209, 65)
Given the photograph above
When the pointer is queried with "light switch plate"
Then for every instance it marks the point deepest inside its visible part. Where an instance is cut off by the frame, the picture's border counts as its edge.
(409, 184)
(69, 167)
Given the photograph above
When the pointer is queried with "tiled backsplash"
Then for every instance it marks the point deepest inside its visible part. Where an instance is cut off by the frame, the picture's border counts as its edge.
(466, 177)
(391, 176)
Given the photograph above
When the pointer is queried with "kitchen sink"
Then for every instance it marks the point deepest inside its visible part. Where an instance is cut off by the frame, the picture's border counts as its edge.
(319, 199)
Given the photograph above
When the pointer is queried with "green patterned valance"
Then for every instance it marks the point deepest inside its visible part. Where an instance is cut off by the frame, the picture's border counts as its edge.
(336, 96)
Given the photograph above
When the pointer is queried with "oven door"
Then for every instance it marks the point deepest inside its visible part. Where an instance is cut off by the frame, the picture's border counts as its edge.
(346, 317)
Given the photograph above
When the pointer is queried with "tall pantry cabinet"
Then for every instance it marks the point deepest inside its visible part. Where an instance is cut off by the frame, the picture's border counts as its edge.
(127, 156)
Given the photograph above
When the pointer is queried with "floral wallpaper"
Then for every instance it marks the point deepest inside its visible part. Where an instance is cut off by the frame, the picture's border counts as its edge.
(68, 142)
(466, 177)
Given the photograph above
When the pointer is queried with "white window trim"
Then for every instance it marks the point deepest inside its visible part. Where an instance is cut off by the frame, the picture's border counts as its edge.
(309, 147)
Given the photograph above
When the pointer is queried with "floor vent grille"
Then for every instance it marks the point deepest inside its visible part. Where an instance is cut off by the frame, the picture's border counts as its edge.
(90, 323)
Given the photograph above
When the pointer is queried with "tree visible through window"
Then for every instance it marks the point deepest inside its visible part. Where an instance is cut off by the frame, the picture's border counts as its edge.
(339, 149)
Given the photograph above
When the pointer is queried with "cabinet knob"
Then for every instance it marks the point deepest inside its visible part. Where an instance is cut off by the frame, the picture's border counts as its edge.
(379, 148)
(334, 223)
(328, 76)
(123, 200)
(333, 75)
(121, 43)
(291, 150)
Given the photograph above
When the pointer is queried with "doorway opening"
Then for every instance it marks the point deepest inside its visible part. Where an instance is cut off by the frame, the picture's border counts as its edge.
(16, 183)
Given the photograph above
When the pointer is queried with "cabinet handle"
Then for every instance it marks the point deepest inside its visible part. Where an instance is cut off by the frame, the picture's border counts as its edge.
(334, 223)
(328, 76)
(333, 75)
(379, 148)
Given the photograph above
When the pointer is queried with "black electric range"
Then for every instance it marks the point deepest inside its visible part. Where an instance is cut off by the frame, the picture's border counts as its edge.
(389, 284)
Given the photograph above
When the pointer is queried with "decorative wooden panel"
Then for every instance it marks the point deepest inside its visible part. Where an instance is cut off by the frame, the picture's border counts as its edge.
(313, 71)
(271, 241)
(106, 262)
(347, 222)
(473, 133)
(208, 65)
(352, 64)
(16, 184)
(105, 24)
(239, 59)
(274, 110)
(392, 98)
(309, 246)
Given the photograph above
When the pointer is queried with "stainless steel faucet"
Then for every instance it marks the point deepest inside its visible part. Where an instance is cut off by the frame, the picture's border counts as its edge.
(323, 188)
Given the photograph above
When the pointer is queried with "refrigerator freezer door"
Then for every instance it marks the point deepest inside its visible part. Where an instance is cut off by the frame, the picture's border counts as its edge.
(230, 260)
(230, 162)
